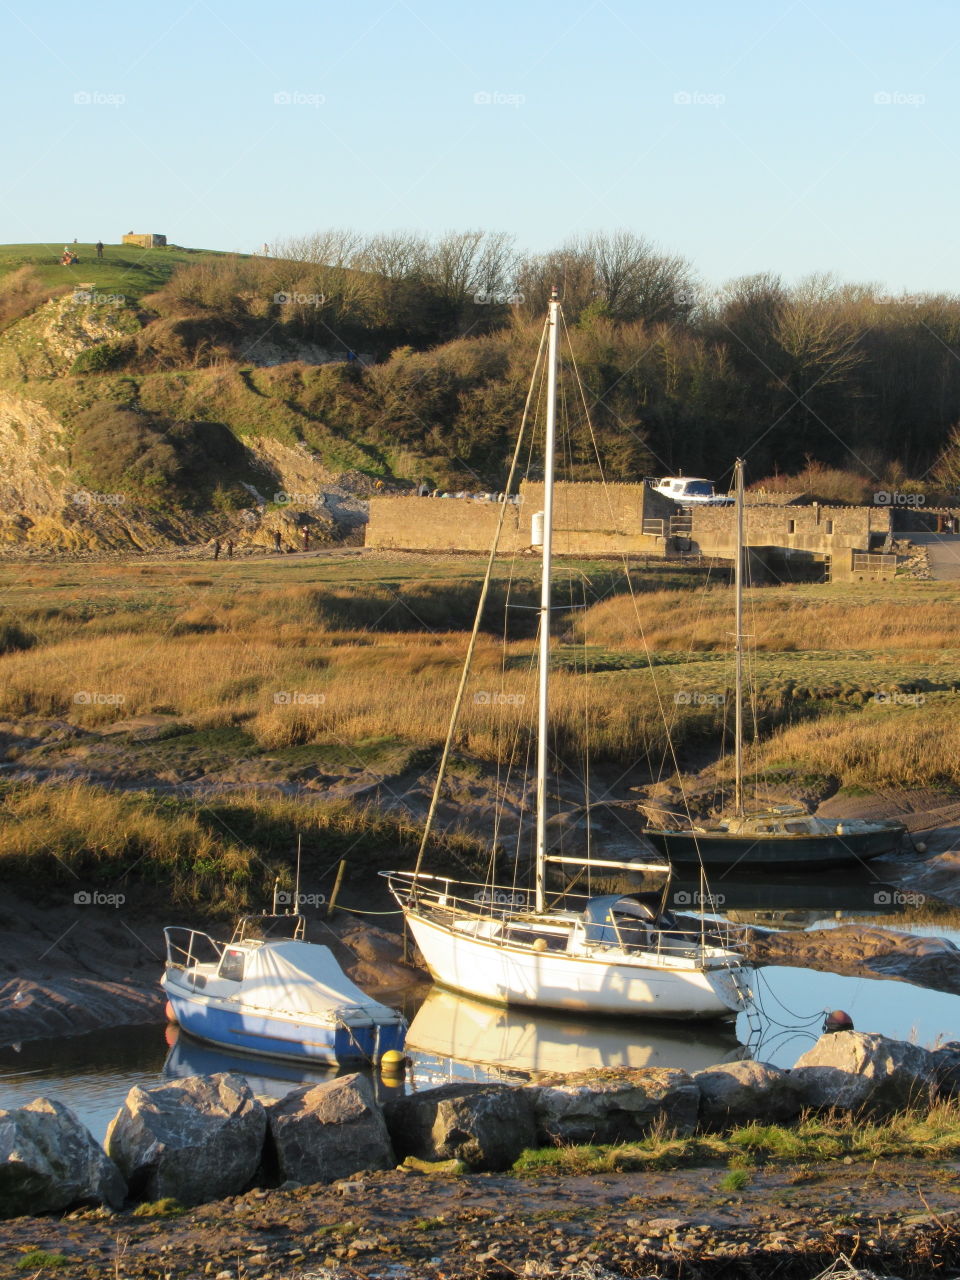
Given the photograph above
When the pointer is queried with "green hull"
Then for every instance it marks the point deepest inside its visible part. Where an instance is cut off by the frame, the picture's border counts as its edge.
(718, 849)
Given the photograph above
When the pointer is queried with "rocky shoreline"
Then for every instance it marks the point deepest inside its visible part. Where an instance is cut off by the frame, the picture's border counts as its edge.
(330, 1182)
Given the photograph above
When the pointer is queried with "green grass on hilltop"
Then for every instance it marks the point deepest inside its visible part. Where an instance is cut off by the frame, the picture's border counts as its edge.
(124, 269)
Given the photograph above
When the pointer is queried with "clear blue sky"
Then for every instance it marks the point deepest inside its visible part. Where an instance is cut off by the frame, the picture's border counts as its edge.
(782, 159)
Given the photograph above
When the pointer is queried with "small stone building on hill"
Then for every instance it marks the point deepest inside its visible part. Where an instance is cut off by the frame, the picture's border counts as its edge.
(148, 241)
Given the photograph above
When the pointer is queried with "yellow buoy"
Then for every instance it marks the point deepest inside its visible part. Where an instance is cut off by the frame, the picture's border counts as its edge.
(392, 1061)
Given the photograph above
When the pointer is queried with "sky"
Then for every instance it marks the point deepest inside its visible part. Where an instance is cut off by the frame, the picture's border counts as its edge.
(794, 136)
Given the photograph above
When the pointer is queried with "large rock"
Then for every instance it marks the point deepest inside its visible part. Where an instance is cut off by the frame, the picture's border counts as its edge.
(196, 1139)
(946, 1065)
(861, 1071)
(484, 1125)
(49, 1161)
(863, 951)
(735, 1093)
(615, 1105)
(327, 1131)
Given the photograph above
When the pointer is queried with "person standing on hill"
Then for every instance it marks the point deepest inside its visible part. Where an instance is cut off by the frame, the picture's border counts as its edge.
(216, 548)
(277, 541)
(99, 248)
(306, 538)
(229, 548)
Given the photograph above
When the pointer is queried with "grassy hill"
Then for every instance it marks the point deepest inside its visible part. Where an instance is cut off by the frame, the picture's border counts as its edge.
(124, 269)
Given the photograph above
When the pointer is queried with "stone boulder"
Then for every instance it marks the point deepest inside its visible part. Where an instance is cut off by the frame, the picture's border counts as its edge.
(486, 1126)
(946, 1065)
(614, 1105)
(49, 1161)
(735, 1093)
(327, 1131)
(195, 1139)
(862, 1071)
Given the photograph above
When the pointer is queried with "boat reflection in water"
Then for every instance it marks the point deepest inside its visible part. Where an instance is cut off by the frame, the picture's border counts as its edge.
(268, 1077)
(782, 901)
(454, 1037)
(459, 1032)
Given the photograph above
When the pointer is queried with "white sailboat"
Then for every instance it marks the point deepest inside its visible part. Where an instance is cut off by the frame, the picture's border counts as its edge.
(621, 954)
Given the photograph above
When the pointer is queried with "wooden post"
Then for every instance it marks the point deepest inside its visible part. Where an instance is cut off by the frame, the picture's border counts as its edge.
(336, 888)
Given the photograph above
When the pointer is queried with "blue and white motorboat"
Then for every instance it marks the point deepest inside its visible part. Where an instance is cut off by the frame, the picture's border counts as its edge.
(274, 996)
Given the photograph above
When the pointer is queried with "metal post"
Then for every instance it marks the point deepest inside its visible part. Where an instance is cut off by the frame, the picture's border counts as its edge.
(738, 710)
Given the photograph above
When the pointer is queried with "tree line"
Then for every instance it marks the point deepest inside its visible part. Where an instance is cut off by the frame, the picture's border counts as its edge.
(678, 375)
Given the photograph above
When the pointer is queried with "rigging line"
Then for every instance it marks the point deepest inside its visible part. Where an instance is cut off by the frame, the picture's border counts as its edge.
(458, 702)
(656, 686)
(801, 1019)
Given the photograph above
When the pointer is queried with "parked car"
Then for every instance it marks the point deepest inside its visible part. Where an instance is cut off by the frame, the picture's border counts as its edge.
(691, 491)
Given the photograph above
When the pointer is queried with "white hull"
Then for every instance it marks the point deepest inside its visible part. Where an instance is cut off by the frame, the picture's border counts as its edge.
(608, 983)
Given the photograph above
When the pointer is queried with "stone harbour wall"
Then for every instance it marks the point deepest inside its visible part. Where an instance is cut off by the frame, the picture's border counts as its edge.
(589, 519)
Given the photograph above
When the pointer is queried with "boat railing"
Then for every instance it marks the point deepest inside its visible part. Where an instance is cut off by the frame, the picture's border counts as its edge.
(446, 899)
(188, 947)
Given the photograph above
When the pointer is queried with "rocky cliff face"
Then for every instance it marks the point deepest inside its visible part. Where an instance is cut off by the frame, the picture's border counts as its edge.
(46, 343)
(45, 506)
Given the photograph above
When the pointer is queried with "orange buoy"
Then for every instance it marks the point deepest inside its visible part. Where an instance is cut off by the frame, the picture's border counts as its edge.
(168, 1010)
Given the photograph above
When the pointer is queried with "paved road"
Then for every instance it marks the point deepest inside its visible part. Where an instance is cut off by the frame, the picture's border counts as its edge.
(944, 552)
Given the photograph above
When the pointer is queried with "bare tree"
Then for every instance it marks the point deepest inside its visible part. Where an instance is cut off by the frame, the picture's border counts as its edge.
(635, 281)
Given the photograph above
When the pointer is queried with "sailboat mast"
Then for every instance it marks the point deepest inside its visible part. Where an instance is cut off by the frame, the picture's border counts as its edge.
(738, 580)
(543, 666)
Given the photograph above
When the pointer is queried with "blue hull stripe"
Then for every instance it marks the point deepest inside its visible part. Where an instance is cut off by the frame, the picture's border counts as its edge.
(273, 1038)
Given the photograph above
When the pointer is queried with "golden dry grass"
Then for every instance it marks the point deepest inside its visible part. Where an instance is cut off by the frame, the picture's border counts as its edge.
(911, 616)
(308, 654)
(219, 855)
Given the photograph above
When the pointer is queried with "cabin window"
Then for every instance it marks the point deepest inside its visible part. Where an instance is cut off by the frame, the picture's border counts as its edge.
(231, 966)
(828, 526)
(791, 526)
